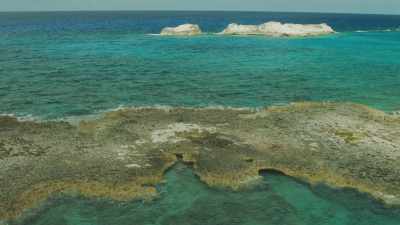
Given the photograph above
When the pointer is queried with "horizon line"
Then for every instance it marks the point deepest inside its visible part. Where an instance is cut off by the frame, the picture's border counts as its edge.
(191, 10)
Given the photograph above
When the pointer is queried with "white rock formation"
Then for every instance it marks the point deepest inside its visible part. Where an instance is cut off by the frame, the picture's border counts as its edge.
(279, 29)
(182, 30)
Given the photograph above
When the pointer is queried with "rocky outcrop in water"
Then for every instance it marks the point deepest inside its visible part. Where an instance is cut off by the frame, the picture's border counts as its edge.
(124, 154)
(279, 29)
(182, 30)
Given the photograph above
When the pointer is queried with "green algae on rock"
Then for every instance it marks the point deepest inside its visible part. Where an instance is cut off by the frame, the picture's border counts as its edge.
(125, 153)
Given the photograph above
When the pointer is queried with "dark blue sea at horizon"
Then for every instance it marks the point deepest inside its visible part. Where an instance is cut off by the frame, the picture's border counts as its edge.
(61, 64)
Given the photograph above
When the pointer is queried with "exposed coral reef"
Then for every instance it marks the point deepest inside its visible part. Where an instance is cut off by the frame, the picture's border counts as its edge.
(123, 154)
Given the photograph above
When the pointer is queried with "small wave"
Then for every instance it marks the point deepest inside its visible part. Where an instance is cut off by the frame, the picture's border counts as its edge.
(383, 30)
(395, 113)
(169, 108)
(76, 119)
(22, 118)
(8, 115)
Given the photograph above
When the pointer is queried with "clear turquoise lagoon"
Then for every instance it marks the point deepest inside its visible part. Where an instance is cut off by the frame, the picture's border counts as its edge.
(277, 200)
(63, 64)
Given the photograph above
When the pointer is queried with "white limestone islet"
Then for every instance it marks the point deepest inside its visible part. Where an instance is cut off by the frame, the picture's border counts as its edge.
(278, 29)
(182, 30)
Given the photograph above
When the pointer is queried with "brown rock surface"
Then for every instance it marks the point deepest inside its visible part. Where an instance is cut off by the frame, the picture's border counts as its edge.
(125, 153)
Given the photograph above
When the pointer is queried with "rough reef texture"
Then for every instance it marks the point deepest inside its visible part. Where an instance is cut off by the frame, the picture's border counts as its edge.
(123, 154)
(182, 30)
(279, 29)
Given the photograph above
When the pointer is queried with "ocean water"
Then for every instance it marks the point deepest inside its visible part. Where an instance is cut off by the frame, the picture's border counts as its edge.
(54, 65)
(277, 200)
(62, 64)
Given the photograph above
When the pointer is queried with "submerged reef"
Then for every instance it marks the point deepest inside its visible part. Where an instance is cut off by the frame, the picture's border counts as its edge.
(125, 153)
(182, 30)
(279, 29)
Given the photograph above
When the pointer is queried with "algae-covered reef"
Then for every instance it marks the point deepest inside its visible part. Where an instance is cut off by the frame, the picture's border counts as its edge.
(124, 154)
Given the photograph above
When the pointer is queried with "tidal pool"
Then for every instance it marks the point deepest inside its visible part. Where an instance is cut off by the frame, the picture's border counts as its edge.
(185, 200)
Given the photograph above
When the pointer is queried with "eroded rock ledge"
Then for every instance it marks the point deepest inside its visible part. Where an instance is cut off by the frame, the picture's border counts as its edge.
(125, 153)
(278, 29)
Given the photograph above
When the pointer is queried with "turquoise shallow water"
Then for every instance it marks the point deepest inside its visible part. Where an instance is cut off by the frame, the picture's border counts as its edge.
(56, 65)
(69, 64)
(278, 200)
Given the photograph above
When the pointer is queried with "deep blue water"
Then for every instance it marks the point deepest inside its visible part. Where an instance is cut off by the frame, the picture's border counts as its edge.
(62, 64)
